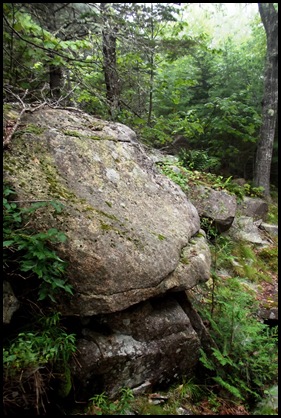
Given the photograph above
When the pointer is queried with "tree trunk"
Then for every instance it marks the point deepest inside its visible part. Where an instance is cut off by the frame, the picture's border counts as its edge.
(111, 77)
(269, 17)
(55, 78)
(151, 62)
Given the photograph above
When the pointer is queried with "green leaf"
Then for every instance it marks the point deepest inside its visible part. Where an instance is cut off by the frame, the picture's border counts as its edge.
(231, 389)
(8, 243)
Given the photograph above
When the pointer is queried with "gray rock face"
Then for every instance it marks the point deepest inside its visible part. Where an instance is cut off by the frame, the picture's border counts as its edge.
(134, 242)
(10, 302)
(127, 225)
(216, 205)
(151, 342)
(244, 228)
(271, 229)
(253, 207)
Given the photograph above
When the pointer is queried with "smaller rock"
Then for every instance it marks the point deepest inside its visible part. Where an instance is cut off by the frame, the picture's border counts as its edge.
(271, 229)
(268, 313)
(156, 398)
(215, 205)
(10, 303)
(253, 207)
(141, 388)
(184, 411)
(239, 181)
(245, 229)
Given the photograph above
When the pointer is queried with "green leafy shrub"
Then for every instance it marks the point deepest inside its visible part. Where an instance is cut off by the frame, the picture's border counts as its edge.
(245, 359)
(253, 191)
(272, 215)
(209, 227)
(31, 359)
(222, 251)
(102, 405)
(164, 129)
(35, 357)
(27, 251)
(198, 160)
(269, 257)
(179, 177)
(33, 349)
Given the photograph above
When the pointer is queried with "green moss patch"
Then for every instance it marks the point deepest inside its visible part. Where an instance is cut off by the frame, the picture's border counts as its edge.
(72, 133)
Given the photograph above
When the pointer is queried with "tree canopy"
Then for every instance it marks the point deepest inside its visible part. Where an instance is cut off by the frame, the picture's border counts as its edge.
(169, 71)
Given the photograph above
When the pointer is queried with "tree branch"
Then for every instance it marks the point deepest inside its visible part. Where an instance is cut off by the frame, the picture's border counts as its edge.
(46, 49)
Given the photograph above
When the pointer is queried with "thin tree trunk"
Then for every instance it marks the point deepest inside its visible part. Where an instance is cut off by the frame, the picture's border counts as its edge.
(55, 79)
(150, 94)
(151, 72)
(269, 18)
(111, 77)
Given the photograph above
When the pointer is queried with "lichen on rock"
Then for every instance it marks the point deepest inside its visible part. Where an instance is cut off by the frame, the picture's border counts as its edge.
(119, 253)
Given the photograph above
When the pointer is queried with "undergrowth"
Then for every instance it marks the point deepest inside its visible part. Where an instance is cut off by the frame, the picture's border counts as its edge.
(186, 175)
(30, 252)
(37, 353)
(244, 362)
(245, 359)
(34, 359)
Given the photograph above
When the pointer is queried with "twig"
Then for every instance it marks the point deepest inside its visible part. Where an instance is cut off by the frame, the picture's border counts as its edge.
(37, 107)
(7, 140)
(30, 201)
(66, 108)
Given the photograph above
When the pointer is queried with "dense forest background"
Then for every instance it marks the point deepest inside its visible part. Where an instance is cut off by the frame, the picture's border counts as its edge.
(189, 78)
(197, 80)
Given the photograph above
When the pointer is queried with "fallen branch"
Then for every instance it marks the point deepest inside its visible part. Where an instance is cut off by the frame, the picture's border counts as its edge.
(31, 201)
(8, 138)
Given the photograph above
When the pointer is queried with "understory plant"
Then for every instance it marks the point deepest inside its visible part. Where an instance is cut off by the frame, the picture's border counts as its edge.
(32, 360)
(38, 351)
(185, 172)
(102, 405)
(244, 361)
(27, 251)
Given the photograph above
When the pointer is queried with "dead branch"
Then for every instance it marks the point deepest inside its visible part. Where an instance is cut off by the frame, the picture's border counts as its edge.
(8, 138)
(29, 201)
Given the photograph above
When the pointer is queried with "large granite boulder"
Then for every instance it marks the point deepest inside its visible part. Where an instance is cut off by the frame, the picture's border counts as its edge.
(133, 244)
(127, 225)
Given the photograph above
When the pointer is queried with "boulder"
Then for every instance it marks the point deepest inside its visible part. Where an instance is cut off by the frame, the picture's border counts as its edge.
(151, 342)
(268, 314)
(10, 302)
(218, 206)
(252, 207)
(271, 229)
(127, 225)
(244, 228)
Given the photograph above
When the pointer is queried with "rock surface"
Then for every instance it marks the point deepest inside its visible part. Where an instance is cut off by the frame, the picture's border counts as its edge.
(153, 341)
(252, 207)
(127, 225)
(216, 205)
(10, 302)
(134, 247)
(244, 228)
